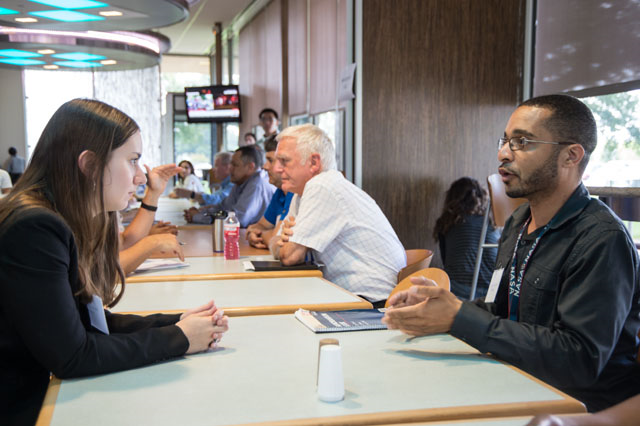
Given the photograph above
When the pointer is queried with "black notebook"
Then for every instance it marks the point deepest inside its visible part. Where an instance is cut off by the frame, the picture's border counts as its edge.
(275, 265)
(332, 321)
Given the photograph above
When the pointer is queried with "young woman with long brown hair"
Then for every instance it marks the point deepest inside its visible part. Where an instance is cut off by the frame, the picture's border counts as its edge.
(458, 231)
(59, 264)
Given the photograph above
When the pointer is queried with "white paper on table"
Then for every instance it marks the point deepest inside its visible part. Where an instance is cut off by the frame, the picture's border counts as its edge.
(157, 264)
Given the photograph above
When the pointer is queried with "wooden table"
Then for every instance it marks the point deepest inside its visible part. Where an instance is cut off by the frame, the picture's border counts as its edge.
(198, 238)
(262, 296)
(198, 241)
(265, 371)
(494, 421)
(216, 268)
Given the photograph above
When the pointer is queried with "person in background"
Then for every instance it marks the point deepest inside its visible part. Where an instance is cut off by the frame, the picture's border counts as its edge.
(458, 230)
(14, 165)
(261, 232)
(249, 197)
(248, 139)
(269, 122)
(187, 179)
(59, 265)
(5, 183)
(333, 220)
(142, 237)
(566, 303)
(222, 175)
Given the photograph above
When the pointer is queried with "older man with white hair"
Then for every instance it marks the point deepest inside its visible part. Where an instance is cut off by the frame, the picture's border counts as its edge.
(332, 219)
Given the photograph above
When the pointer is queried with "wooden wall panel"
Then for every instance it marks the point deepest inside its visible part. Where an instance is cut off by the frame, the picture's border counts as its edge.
(297, 60)
(260, 62)
(440, 79)
(327, 52)
(273, 57)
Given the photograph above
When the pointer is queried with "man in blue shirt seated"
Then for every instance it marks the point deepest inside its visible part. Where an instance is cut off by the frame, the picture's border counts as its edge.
(250, 195)
(278, 208)
(222, 174)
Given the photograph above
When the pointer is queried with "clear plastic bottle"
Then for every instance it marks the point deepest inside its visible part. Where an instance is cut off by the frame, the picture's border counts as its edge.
(231, 237)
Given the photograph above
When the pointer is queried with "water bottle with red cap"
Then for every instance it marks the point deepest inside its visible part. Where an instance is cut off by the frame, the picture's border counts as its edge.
(231, 237)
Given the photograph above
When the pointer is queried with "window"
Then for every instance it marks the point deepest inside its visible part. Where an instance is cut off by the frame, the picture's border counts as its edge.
(616, 159)
(332, 124)
(231, 136)
(192, 141)
(179, 72)
(45, 91)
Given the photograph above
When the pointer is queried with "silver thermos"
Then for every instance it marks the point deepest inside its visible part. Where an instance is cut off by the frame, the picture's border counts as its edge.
(218, 231)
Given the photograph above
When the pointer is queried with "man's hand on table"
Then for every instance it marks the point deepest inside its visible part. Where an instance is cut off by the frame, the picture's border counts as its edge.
(423, 309)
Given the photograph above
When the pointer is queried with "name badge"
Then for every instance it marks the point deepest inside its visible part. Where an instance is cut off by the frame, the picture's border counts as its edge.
(96, 315)
(493, 286)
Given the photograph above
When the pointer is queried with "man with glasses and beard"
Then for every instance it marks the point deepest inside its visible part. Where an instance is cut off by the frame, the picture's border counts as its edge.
(563, 303)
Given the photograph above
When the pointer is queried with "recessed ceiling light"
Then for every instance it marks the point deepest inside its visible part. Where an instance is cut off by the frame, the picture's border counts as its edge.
(111, 13)
(109, 62)
(26, 20)
(46, 51)
(67, 16)
(50, 67)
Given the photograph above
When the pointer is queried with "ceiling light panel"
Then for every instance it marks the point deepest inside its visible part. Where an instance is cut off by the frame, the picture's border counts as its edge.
(67, 16)
(71, 4)
(20, 62)
(78, 64)
(5, 11)
(78, 56)
(15, 53)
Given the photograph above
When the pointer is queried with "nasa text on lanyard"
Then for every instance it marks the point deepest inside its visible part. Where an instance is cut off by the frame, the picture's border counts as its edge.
(515, 283)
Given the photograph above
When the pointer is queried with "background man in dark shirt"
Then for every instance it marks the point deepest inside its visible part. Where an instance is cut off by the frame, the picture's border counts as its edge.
(566, 309)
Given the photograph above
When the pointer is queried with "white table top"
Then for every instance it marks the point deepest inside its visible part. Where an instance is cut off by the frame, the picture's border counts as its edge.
(262, 292)
(265, 370)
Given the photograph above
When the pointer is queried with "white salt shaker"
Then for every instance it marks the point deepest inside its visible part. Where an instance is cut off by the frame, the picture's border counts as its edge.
(330, 376)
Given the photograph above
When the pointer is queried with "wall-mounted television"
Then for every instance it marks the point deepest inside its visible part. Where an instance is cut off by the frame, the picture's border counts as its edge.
(212, 103)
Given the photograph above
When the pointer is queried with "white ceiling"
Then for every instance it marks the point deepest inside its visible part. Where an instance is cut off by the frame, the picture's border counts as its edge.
(194, 36)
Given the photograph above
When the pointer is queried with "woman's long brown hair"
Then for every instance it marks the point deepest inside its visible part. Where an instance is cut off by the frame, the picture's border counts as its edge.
(53, 180)
(464, 197)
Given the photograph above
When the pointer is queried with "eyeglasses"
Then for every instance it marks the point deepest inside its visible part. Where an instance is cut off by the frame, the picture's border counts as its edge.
(519, 142)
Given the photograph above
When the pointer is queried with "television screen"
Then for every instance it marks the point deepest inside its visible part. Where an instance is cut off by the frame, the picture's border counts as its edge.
(212, 103)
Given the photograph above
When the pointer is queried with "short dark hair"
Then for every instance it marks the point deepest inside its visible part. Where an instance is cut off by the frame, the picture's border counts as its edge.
(251, 153)
(13, 151)
(571, 120)
(271, 110)
(250, 134)
(271, 144)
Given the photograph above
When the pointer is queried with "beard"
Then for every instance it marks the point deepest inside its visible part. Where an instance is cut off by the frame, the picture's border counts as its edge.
(539, 180)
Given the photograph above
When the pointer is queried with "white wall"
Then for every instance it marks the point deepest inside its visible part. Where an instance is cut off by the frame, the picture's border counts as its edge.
(12, 113)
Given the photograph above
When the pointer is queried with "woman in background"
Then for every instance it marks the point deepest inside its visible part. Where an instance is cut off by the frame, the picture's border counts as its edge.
(59, 265)
(187, 178)
(458, 232)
